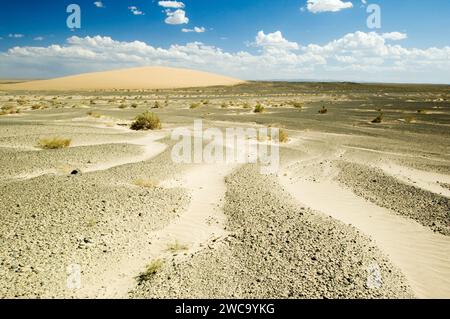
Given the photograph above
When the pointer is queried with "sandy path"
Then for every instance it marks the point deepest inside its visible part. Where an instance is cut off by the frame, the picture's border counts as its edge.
(428, 181)
(201, 223)
(423, 256)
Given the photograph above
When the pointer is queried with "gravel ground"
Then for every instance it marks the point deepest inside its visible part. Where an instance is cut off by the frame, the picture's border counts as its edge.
(22, 163)
(429, 209)
(87, 219)
(276, 250)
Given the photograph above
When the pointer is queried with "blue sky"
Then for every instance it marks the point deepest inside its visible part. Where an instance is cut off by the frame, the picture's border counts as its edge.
(232, 27)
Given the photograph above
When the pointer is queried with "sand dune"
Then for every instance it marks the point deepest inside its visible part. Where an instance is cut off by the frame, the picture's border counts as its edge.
(134, 79)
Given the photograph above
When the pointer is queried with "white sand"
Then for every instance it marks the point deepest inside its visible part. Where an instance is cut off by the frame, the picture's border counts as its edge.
(422, 256)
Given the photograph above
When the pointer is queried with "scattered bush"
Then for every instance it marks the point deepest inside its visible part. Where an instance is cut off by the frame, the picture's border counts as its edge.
(297, 105)
(53, 143)
(157, 105)
(176, 247)
(323, 110)
(151, 270)
(146, 121)
(94, 114)
(283, 136)
(194, 106)
(134, 105)
(258, 108)
(245, 106)
(378, 119)
(422, 111)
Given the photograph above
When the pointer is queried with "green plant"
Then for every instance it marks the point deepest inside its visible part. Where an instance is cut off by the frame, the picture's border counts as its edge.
(194, 106)
(259, 108)
(146, 121)
(53, 143)
(150, 271)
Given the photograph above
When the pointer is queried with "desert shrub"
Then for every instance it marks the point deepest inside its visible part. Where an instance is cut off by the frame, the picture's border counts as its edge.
(259, 108)
(422, 111)
(378, 119)
(94, 114)
(134, 105)
(151, 270)
(146, 121)
(8, 109)
(53, 143)
(224, 105)
(323, 110)
(176, 247)
(122, 106)
(297, 105)
(205, 102)
(194, 106)
(283, 136)
(157, 105)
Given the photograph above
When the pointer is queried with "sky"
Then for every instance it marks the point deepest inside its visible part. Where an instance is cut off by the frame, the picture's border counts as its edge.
(329, 40)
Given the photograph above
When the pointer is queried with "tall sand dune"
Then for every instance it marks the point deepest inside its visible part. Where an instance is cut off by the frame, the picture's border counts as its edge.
(135, 78)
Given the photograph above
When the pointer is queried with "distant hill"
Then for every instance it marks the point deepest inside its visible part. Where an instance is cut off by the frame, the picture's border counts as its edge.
(133, 79)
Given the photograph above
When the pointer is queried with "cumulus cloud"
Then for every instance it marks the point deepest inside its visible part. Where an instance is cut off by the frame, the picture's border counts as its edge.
(196, 29)
(99, 4)
(274, 41)
(171, 4)
(395, 36)
(317, 6)
(135, 10)
(358, 56)
(176, 17)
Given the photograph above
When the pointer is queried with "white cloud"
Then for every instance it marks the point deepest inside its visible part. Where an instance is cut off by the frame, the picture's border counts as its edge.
(196, 29)
(176, 17)
(358, 56)
(135, 10)
(99, 4)
(171, 4)
(15, 35)
(274, 41)
(38, 38)
(316, 6)
(395, 36)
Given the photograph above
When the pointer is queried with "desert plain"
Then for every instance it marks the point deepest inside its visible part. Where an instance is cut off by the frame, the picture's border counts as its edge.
(360, 207)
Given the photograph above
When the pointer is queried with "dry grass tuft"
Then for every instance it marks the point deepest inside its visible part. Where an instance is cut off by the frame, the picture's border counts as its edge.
(146, 121)
(283, 136)
(54, 143)
(176, 247)
(151, 270)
